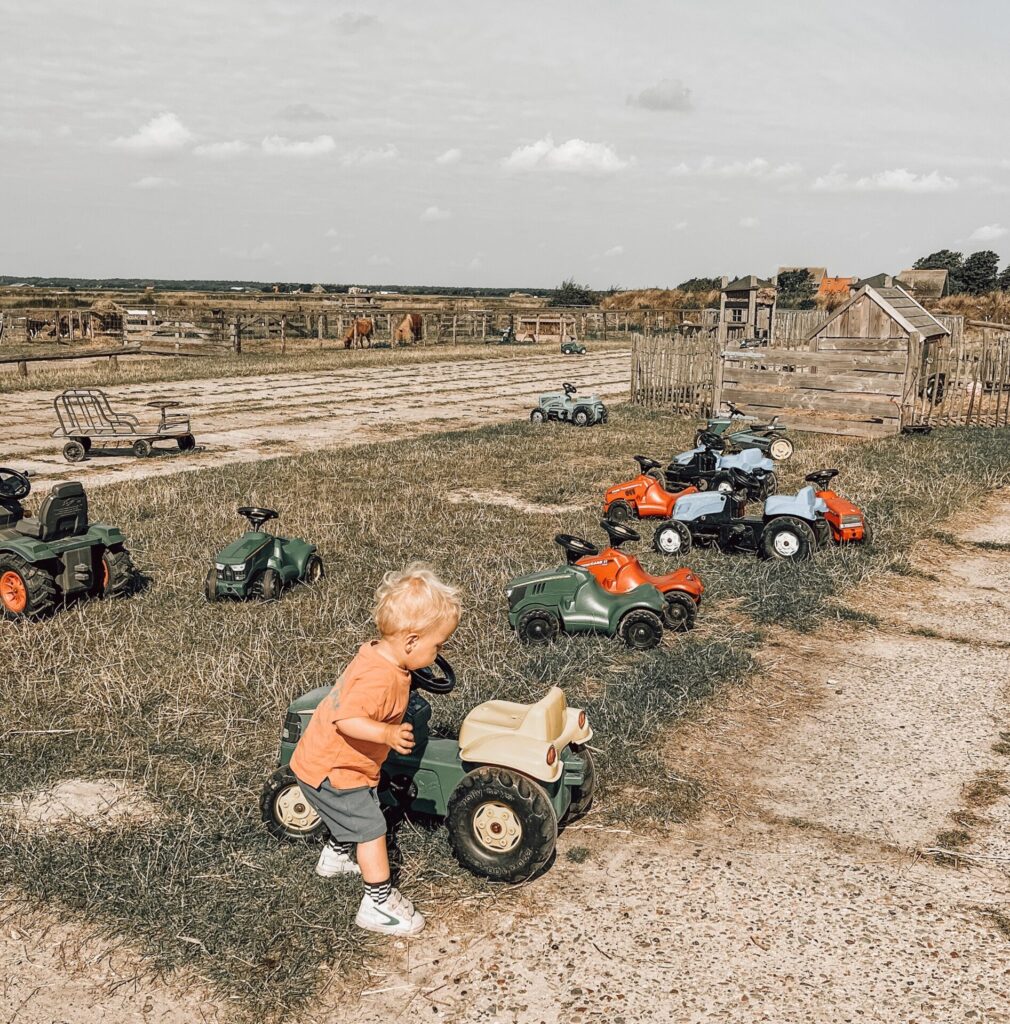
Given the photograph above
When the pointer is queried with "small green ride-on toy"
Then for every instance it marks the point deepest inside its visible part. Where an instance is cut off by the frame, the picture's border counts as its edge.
(572, 348)
(564, 406)
(56, 554)
(515, 773)
(261, 564)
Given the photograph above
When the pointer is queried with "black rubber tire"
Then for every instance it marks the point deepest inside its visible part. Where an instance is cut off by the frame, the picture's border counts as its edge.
(662, 539)
(142, 448)
(582, 796)
(86, 441)
(538, 626)
(582, 416)
(187, 442)
(270, 585)
(38, 583)
(723, 483)
(605, 415)
(867, 540)
(769, 485)
(273, 789)
(74, 451)
(641, 629)
(681, 611)
(210, 585)
(620, 511)
(805, 540)
(528, 802)
(822, 533)
(121, 574)
(314, 570)
(537, 417)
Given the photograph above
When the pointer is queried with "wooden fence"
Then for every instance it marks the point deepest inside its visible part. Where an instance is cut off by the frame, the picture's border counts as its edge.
(674, 371)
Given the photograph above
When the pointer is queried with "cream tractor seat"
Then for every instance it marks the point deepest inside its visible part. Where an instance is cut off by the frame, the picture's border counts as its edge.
(523, 736)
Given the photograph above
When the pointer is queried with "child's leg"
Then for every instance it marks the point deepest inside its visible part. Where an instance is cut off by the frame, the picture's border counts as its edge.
(374, 861)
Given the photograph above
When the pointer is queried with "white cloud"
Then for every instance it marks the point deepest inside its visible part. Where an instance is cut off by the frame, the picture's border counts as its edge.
(615, 250)
(756, 167)
(450, 156)
(152, 181)
(379, 261)
(257, 252)
(987, 233)
(362, 157)
(749, 222)
(897, 180)
(162, 133)
(433, 213)
(277, 145)
(221, 150)
(668, 94)
(574, 156)
(332, 233)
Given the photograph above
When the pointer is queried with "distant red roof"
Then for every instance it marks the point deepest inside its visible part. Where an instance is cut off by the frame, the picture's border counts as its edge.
(835, 285)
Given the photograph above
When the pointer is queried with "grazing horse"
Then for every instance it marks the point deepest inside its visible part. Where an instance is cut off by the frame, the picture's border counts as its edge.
(409, 329)
(361, 330)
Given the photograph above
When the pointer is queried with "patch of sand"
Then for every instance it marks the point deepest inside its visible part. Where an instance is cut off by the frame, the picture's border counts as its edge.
(92, 802)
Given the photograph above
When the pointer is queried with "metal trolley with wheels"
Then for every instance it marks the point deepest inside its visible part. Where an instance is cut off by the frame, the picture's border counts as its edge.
(90, 424)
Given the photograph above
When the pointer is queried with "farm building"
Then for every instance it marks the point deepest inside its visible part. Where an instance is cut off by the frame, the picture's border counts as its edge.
(836, 286)
(746, 309)
(926, 284)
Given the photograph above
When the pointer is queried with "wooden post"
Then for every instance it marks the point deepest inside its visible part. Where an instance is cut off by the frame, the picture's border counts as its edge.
(284, 333)
(604, 325)
(454, 328)
(23, 368)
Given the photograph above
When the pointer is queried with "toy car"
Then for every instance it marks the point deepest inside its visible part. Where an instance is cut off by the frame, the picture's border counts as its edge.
(58, 553)
(619, 572)
(572, 348)
(644, 496)
(261, 564)
(569, 599)
(516, 772)
(790, 527)
(768, 437)
(843, 522)
(556, 405)
(709, 467)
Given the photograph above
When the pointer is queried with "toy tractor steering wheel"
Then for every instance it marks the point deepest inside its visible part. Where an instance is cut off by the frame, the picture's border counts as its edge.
(575, 547)
(822, 477)
(648, 465)
(734, 410)
(256, 515)
(14, 486)
(710, 439)
(570, 389)
(429, 679)
(619, 533)
(163, 405)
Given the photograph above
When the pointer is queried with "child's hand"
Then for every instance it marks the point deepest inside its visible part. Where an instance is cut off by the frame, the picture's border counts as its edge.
(400, 738)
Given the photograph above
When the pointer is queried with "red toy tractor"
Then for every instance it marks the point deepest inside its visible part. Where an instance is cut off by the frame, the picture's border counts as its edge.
(843, 521)
(644, 497)
(618, 572)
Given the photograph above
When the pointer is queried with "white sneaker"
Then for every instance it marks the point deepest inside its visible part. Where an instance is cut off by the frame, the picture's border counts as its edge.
(396, 916)
(333, 862)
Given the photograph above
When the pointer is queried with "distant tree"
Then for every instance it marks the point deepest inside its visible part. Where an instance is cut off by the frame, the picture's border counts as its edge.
(571, 294)
(796, 289)
(979, 272)
(700, 284)
(944, 259)
(1003, 281)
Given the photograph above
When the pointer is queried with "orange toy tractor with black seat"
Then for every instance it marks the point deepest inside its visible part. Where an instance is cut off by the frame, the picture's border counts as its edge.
(618, 572)
(645, 497)
(843, 522)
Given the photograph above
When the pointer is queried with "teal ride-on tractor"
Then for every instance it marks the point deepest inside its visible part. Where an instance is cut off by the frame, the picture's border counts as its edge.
(515, 773)
(745, 432)
(570, 347)
(564, 406)
(57, 554)
(569, 599)
(261, 564)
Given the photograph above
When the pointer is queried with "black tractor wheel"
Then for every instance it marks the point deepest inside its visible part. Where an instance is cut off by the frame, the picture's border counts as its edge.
(118, 573)
(672, 538)
(620, 511)
(314, 570)
(582, 416)
(641, 629)
(187, 442)
(537, 626)
(270, 585)
(501, 824)
(142, 448)
(537, 416)
(74, 451)
(582, 796)
(605, 415)
(210, 585)
(822, 533)
(787, 537)
(769, 485)
(681, 611)
(26, 591)
(723, 483)
(285, 811)
(867, 534)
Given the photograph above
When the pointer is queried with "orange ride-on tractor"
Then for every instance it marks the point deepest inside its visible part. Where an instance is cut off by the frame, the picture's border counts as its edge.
(618, 572)
(644, 497)
(843, 522)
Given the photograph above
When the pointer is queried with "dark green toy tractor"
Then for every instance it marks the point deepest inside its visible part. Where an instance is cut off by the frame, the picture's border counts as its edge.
(261, 564)
(571, 347)
(57, 554)
(569, 599)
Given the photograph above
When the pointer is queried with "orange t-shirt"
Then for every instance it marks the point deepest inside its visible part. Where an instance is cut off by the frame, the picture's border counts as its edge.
(370, 687)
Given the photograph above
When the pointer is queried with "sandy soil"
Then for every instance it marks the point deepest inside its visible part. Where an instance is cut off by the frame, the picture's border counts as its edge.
(807, 893)
(251, 418)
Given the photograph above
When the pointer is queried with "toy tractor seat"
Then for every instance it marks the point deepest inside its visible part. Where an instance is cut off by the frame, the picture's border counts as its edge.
(63, 513)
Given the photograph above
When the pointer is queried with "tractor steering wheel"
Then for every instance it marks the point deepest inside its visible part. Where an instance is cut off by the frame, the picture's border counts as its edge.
(14, 485)
(570, 389)
(256, 515)
(646, 464)
(428, 679)
(822, 477)
(710, 439)
(619, 533)
(575, 547)
(734, 410)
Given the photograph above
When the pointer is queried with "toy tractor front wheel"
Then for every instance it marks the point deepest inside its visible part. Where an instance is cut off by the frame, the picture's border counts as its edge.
(285, 811)
(582, 417)
(270, 585)
(74, 451)
(680, 612)
(314, 570)
(117, 572)
(582, 795)
(26, 591)
(537, 417)
(142, 448)
(787, 537)
(620, 511)
(781, 449)
(501, 824)
(769, 485)
(538, 626)
(210, 585)
(672, 538)
(641, 629)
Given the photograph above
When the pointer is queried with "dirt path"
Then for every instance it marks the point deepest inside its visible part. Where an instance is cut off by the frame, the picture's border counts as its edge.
(250, 418)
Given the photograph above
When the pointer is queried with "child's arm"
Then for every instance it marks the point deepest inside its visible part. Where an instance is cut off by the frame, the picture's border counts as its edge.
(399, 737)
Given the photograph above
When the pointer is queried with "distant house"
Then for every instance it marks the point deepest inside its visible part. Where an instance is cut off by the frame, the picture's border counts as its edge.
(926, 284)
(357, 289)
(836, 285)
(318, 289)
(876, 281)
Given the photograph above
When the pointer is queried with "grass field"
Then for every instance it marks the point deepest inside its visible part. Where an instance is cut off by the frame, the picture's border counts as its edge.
(185, 700)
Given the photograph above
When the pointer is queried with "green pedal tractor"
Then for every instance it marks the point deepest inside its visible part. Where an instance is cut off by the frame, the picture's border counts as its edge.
(513, 776)
(57, 554)
(261, 564)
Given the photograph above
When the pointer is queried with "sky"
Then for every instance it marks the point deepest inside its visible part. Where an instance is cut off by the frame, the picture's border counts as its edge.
(499, 144)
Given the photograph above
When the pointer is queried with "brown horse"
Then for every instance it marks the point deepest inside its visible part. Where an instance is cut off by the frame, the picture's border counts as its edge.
(409, 330)
(362, 331)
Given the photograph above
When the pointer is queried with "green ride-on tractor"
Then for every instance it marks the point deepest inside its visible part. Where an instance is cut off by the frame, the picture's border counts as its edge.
(564, 406)
(743, 432)
(261, 564)
(570, 347)
(515, 773)
(57, 554)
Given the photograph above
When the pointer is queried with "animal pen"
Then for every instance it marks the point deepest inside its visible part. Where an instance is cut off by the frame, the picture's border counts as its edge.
(878, 365)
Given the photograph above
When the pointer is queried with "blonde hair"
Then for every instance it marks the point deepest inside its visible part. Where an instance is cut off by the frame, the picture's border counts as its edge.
(413, 600)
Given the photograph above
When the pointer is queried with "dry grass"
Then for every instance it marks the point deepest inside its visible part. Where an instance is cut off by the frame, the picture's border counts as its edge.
(661, 298)
(993, 306)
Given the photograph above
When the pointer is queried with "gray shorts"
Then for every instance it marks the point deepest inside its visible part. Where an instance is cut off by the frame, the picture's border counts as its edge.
(351, 815)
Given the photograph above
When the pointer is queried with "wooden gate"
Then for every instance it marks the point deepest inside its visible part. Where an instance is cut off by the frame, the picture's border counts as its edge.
(674, 371)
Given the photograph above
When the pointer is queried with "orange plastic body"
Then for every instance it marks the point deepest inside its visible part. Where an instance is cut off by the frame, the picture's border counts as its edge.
(838, 507)
(646, 495)
(618, 572)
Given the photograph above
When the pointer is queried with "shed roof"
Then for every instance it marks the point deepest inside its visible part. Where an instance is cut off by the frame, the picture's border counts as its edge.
(745, 284)
(930, 284)
(898, 305)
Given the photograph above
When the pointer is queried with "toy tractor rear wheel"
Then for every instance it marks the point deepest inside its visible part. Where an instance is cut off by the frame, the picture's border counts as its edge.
(538, 626)
(117, 572)
(681, 611)
(26, 591)
(582, 796)
(787, 537)
(581, 417)
(285, 811)
(620, 511)
(210, 585)
(537, 416)
(74, 451)
(781, 449)
(672, 538)
(270, 585)
(641, 629)
(769, 485)
(314, 570)
(501, 824)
